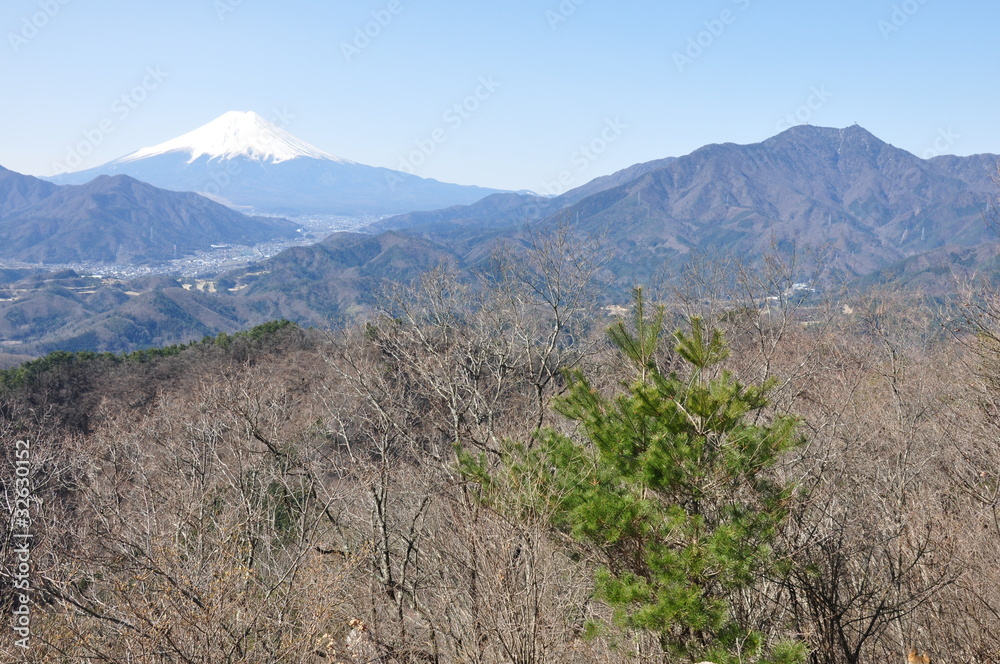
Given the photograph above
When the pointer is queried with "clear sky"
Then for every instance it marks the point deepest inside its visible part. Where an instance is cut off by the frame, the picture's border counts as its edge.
(533, 80)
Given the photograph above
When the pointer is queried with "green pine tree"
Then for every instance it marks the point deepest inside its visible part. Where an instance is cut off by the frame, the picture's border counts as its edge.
(670, 483)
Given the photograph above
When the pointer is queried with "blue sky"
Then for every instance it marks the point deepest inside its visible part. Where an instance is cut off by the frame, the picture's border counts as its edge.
(501, 93)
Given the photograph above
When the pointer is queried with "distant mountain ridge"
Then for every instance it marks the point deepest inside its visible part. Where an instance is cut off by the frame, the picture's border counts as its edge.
(875, 213)
(864, 202)
(867, 207)
(117, 219)
(246, 162)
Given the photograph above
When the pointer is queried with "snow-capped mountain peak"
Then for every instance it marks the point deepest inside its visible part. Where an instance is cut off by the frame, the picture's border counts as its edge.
(237, 134)
(244, 161)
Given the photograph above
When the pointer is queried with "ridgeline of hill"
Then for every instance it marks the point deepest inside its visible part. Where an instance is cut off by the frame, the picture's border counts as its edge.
(116, 219)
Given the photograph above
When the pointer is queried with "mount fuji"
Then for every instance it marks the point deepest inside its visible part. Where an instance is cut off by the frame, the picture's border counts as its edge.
(246, 162)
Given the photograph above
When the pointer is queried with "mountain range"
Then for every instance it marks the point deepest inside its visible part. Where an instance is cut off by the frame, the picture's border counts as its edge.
(860, 201)
(872, 213)
(244, 161)
(117, 220)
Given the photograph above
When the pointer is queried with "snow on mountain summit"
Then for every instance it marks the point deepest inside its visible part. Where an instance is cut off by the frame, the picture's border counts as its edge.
(237, 134)
(246, 162)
